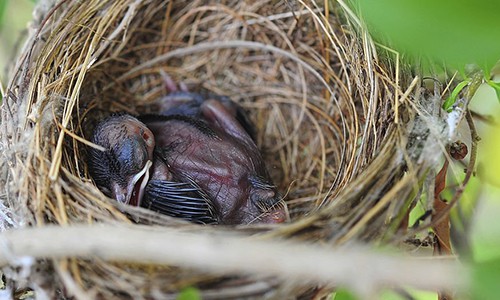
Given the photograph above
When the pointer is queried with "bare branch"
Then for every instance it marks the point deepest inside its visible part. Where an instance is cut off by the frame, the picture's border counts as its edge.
(358, 268)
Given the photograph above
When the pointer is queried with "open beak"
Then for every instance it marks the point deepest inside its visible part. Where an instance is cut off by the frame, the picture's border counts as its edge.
(135, 190)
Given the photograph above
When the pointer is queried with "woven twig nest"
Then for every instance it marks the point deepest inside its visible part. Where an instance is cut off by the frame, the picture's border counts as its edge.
(331, 117)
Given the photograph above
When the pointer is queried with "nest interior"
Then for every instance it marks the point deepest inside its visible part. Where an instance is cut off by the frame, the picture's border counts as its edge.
(324, 105)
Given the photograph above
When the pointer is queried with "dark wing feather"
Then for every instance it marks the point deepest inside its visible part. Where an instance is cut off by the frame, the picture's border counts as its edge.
(178, 199)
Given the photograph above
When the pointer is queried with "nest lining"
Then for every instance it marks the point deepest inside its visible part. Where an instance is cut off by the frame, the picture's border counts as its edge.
(322, 102)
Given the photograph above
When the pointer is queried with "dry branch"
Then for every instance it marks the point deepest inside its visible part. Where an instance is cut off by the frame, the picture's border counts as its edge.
(356, 267)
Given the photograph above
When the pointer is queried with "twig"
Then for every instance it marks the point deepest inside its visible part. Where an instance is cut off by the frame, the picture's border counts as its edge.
(468, 174)
(360, 269)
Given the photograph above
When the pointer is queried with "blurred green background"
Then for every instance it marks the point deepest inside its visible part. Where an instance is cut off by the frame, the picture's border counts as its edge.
(462, 36)
(451, 34)
(14, 18)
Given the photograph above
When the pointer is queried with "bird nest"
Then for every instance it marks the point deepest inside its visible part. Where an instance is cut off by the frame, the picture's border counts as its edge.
(331, 114)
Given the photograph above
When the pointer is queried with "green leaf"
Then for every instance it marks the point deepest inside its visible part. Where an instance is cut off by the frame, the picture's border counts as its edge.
(3, 6)
(485, 279)
(448, 103)
(189, 293)
(452, 32)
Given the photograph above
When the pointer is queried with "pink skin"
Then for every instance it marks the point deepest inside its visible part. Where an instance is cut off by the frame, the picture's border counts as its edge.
(221, 164)
(170, 84)
(224, 164)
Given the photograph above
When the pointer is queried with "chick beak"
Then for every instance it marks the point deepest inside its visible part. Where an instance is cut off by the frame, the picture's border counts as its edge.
(135, 190)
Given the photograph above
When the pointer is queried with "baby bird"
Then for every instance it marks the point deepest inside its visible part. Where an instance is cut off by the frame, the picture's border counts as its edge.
(129, 165)
(218, 155)
(180, 101)
(197, 161)
(122, 170)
